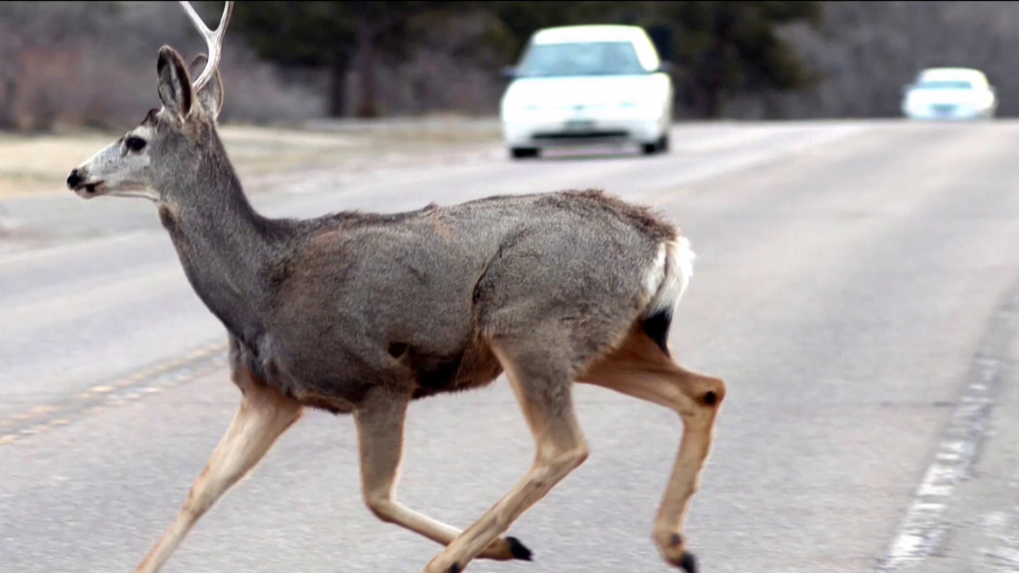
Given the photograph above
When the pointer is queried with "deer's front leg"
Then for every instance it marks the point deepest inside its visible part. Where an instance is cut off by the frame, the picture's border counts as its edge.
(380, 420)
(263, 416)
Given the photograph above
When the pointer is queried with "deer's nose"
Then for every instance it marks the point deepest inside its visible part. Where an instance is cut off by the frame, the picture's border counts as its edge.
(74, 179)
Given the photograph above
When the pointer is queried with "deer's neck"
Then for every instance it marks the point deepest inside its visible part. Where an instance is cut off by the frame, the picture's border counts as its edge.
(226, 248)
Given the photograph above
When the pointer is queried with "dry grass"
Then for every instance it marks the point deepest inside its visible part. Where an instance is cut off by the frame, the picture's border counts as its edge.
(39, 164)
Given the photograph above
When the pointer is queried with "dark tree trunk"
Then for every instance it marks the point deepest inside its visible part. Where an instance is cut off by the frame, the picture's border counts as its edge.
(8, 98)
(713, 102)
(725, 20)
(338, 88)
(368, 104)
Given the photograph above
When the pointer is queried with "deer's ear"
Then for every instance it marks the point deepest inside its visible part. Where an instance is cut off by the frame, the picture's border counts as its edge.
(174, 82)
(211, 95)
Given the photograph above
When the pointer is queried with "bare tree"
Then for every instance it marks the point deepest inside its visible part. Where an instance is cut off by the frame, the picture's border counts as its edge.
(77, 50)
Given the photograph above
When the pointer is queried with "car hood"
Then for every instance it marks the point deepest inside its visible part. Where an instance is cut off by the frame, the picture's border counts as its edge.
(585, 90)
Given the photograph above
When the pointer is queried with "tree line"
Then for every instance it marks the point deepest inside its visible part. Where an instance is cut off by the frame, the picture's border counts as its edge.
(74, 64)
(719, 49)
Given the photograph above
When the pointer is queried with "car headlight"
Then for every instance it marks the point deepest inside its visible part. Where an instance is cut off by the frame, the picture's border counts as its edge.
(520, 107)
(644, 105)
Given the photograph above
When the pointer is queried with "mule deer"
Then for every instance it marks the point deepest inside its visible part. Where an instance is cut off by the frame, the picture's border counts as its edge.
(364, 313)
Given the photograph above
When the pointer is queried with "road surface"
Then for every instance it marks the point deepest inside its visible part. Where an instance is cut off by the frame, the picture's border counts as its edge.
(857, 286)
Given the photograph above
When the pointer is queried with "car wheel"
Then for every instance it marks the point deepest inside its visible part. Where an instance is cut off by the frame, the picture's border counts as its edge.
(524, 152)
(663, 143)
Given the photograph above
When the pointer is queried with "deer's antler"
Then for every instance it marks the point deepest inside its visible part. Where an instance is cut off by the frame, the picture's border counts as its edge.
(213, 38)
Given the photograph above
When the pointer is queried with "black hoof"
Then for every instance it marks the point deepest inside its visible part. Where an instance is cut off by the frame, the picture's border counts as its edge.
(517, 549)
(688, 562)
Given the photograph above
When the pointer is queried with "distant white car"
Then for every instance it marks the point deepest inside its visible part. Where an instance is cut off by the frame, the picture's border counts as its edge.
(593, 84)
(950, 93)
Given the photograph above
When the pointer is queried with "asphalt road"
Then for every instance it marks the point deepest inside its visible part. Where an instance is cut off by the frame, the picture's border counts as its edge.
(857, 286)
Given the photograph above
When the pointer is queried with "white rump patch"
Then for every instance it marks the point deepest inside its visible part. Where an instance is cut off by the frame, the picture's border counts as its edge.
(670, 275)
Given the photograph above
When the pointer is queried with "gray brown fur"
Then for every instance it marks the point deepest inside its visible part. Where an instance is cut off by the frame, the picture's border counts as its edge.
(352, 301)
(363, 313)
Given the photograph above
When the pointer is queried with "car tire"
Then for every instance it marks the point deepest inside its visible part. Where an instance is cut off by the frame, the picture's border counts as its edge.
(660, 145)
(524, 152)
(663, 143)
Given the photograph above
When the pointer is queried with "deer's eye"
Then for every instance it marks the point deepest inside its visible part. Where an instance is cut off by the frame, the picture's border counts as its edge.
(135, 143)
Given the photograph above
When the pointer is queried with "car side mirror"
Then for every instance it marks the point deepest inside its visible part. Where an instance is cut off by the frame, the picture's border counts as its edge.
(664, 67)
(509, 72)
(906, 88)
(992, 90)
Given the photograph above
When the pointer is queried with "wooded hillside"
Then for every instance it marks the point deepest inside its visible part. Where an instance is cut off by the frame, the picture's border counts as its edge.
(93, 63)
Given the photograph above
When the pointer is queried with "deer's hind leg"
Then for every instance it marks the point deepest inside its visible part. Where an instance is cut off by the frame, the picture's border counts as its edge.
(380, 421)
(641, 369)
(541, 383)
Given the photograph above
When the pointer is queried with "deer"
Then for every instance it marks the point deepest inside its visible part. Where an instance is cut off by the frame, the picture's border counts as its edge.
(364, 313)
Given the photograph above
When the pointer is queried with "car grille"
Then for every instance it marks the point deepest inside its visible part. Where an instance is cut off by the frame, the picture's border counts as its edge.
(605, 134)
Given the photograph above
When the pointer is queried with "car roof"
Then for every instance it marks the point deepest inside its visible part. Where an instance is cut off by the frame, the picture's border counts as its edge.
(935, 74)
(646, 52)
(590, 33)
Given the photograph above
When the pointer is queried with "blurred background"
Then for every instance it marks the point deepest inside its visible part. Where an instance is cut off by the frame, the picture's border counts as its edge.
(293, 62)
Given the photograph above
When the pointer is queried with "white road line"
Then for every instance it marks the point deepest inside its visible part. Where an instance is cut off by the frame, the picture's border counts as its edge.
(1003, 528)
(925, 527)
(150, 380)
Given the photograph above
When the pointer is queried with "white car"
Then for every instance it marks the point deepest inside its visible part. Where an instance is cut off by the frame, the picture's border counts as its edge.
(950, 93)
(594, 84)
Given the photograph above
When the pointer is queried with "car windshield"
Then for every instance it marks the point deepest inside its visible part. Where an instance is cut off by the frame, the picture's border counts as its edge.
(944, 85)
(581, 59)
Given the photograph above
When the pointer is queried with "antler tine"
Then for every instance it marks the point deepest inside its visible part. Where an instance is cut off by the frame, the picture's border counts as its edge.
(214, 39)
